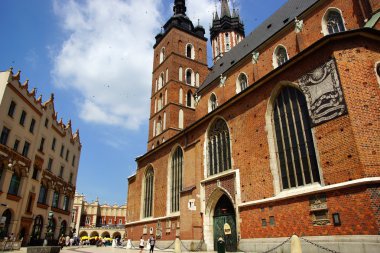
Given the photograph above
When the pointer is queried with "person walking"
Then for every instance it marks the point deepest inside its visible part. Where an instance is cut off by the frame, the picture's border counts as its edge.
(152, 242)
(141, 244)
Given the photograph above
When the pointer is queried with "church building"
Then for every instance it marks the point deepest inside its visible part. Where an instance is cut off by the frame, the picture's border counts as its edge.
(280, 136)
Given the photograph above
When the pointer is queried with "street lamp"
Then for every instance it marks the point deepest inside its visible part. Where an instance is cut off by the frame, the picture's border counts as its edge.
(49, 232)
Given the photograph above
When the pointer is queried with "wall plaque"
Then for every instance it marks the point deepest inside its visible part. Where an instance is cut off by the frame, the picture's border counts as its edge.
(324, 93)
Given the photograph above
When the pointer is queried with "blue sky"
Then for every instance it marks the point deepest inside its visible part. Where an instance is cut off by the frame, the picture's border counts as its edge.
(96, 57)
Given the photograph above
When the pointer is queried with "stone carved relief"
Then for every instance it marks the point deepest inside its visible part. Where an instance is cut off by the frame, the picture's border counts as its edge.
(319, 210)
(324, 93)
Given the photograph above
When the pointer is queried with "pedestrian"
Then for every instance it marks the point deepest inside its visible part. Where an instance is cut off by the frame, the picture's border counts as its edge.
(62, 241)
(141, 244)
(152, 242)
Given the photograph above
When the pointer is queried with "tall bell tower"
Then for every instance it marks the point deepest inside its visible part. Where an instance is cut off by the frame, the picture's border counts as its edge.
(226, 31)
(179, 67)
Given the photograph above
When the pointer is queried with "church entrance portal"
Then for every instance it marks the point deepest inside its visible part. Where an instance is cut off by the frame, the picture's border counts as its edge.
(225, 224)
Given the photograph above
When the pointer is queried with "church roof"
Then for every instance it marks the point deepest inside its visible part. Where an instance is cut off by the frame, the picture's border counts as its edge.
(281, 18)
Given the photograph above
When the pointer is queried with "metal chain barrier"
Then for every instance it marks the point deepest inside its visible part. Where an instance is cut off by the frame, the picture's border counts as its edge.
(278, 246)
(319, 246)
(198, 248)
(166, 247)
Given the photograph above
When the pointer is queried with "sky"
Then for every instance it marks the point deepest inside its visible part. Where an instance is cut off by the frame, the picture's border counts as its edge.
(96, 56)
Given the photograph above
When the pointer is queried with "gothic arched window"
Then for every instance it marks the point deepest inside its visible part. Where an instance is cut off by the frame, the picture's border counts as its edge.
(190, 52)
(227, 41)
(189, 77)
(280, 56)
(148, 193)
(162, 55)
(242, 83)
(219, 153)
(176, 176)
(189, 99)
(212, 103)
(294, 142)
(334, 22)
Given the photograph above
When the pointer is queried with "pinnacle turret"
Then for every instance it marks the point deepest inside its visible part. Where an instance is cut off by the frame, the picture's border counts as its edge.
(179, 7)
(225, 9)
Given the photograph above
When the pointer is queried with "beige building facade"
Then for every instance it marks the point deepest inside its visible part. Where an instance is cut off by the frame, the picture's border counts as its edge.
(93, 219)
(39, 160)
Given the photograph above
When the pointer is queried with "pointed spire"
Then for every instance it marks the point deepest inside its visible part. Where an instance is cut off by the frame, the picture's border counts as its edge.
(225, 9)
(179, 7)
(25, 85)
(17, 76)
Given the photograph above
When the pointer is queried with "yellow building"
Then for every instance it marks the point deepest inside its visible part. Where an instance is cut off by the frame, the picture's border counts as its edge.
(94, 219)
(39, 158)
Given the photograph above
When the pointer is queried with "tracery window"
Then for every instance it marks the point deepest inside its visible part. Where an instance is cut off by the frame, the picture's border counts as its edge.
(294, 143)
(334, 22)
(176, 178)
(242, 82)
(148, 194)
(219, 152)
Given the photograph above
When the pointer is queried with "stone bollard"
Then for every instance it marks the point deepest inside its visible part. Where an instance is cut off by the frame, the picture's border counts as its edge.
(129, 244)
(177, 245)
(295, 245)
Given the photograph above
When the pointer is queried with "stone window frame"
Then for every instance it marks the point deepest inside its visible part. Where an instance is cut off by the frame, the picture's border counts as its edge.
(274, 167)
(325, 30)
(190, 99)
(211, 102)
(275, 60)
(192, 77)
(239, 84)
(162, 55)
(147, 196)
(172, 207)
(226, 149)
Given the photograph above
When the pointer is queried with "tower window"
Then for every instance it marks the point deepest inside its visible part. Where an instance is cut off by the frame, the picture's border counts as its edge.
(242, 83)
(227, 42)
(162, 55)
(189, 77)
(190, 99)
(212, 104)
(280, 56)
(190, 53)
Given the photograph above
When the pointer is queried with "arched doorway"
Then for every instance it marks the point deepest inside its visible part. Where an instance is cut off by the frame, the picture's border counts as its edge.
(6, 223)
(225, 224)
(106, 235)
(37, 231)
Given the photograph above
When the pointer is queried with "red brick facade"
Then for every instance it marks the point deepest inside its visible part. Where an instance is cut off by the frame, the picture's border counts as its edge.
(347, 147)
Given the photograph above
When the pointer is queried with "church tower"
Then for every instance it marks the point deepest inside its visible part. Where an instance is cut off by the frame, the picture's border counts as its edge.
(226, 31)
(179, 67)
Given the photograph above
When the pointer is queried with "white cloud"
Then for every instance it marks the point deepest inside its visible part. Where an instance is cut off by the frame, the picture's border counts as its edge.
(107, 57)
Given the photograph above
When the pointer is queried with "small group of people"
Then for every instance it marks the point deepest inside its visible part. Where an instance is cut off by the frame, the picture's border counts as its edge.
(68, 241)
(151, 241)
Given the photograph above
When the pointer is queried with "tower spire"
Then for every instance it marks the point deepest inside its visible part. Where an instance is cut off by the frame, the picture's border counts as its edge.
(179, 7)
(225, 9)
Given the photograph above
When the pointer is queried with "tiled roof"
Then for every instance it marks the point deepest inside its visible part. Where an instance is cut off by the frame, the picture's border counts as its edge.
(282, 17)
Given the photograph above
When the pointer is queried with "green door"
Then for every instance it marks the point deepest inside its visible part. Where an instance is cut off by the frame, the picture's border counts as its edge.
(225, 224)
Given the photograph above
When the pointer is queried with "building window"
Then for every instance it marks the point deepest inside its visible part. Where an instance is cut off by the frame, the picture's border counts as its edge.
(148, 193)
(88, 220)
(162, 55)
(53, 144)
(61, 171)
(160, 103)
(280, 56)
(272, 221)
(73, 161)
(35, 173)
(62, 150)
(50, 164)
(110, 221)
(333, 22)
(46, 123)
(212, 103)
(189, 77)
(25, 150)
(176, 178)
(67, 155)
(4, 136)
(294, 142)
(22, 118)
(227, 41)
(219, 153)
(189, 99)
(66, 202)
(190, 52)
(120, 222)
(12, 108)
(180, 74)
(161, 81)
(41, 149)
(71, 178)
(55, 199)
(32, 125)
(43, 195)
(159, 126)
(15, 184)
(242, 83)
(16, 145)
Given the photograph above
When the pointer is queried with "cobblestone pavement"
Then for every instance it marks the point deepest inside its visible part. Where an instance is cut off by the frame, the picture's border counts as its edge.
(93, 249)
